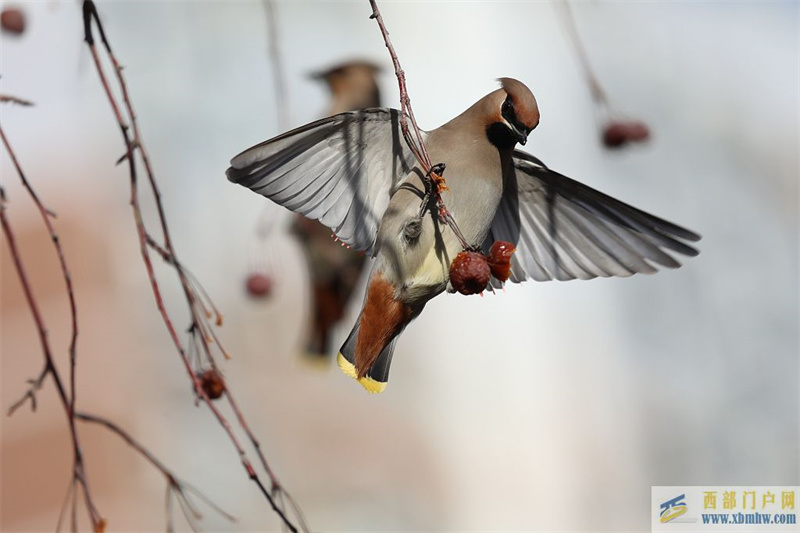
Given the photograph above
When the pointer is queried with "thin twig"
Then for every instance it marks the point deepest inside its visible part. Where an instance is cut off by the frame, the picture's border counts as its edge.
(78, 471)
(168, 505)
(133, 144)
(174, 483)
(75, 496)
(277, 65)
(30, 394)
(598, 94)
(65, 272)
(433, 173)
(415, 143)
(264, 222)
(205, 299)
(65, 504)
(14, 100)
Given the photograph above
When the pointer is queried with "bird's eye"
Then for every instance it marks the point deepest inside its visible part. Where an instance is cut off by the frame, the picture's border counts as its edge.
(507, 111)
(508, 107)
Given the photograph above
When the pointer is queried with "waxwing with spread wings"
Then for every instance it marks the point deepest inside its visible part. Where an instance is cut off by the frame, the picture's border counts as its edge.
(354, 173)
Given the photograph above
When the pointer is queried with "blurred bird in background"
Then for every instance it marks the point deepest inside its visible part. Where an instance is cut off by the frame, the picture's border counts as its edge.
(353, 85)
(354, 173)
(333, 267)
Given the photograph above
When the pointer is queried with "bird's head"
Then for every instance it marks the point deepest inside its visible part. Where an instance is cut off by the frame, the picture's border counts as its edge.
(354, 81)
(513, 115)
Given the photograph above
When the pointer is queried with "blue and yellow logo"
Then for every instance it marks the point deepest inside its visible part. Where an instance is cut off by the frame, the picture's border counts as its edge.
(672, 509)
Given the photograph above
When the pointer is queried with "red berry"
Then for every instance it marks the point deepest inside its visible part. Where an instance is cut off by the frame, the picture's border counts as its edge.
(469, 273)
(615, 134)
(259, 285)
(212, 383)
(12, 20)
(500, 259)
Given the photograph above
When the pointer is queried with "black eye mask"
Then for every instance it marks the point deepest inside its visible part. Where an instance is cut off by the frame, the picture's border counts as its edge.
(507, 111)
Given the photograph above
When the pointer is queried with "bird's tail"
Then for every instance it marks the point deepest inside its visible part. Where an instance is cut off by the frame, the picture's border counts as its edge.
(376, 377)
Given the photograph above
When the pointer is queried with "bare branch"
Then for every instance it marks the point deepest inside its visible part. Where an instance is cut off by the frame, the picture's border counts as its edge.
(277, 65)
(8, 99)
(198, 311)
(65, 272)
(67, 399)
(174, 483)
(598, 94)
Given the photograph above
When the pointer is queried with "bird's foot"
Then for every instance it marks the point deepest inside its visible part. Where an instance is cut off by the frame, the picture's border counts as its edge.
(433, 177)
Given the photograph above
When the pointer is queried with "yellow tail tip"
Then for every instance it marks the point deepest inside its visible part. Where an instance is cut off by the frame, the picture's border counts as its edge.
(370, 385)
(347, 367)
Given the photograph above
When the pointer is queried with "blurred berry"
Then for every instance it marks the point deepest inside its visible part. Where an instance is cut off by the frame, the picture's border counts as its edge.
(618, 133)
(12, 20)
(615, 134)
(212, 383)
(259, 285)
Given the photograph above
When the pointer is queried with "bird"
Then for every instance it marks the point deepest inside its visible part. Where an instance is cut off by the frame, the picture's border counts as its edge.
(334, 270)
(352, 84)
(354, 173)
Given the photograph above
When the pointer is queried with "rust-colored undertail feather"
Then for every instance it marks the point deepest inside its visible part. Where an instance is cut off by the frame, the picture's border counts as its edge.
(382, 318)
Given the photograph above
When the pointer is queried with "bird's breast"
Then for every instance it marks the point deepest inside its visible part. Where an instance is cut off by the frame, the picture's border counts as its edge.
(474, 180)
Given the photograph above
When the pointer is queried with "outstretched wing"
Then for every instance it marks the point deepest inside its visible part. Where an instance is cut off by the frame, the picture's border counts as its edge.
(565, 230)
(340, 170)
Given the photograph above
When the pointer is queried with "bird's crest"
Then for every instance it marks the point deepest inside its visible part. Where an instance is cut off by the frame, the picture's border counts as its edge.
(525, 106)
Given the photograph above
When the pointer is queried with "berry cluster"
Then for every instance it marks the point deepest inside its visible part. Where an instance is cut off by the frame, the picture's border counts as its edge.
(470, 271)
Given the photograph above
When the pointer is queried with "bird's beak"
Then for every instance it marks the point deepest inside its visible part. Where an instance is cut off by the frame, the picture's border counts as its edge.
(520, 135)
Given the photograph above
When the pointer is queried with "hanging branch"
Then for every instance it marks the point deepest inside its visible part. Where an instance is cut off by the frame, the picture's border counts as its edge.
(433, 173)
(616, 131)
(598, 94)
(261, 275)
(199, 328)
(46, 214)
(67, 399)
(176, 487)
(277, 65)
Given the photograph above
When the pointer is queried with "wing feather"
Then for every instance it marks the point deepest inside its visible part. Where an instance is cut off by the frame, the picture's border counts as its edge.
(565, 230)
(340, 170)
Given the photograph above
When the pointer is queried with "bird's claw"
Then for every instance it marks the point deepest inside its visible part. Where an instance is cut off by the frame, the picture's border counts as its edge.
(433, 177)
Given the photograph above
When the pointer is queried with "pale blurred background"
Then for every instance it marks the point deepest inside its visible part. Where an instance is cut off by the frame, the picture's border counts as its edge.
(548, 407)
